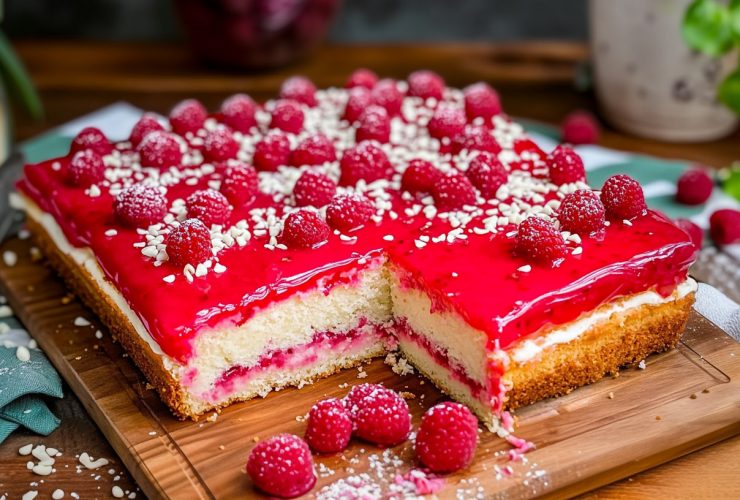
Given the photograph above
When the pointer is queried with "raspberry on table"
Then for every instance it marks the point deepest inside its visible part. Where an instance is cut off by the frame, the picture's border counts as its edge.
(420, 176)
(452, 191)
(209, 206)
(382, 418)
(695, 232)
(282, 466)
(481, 101)
(539, 240)
(85, 168)
(582, 212)
(349, 211)
(299, 89)
(580, 127)
(426, 84)
(565, 165)
(364, 161)
(447, 121)
(140, 206)
(373, 125)
(328, 427)
(314, 150)
(219, 144)
(694, 187)
(238, 113)
(91, 138)
(188, 116)
(361, 77)
(386, 94)
(272, 152)
(622, 197)
(189, 243)
(475, 138)
(359, 99)
(287, 116)
(147, 123)
(304, 229)
(724, 226)
(314, 188)
(160, 149)
(447, 437)
(487, 174)
(240, 184)
(355, 396)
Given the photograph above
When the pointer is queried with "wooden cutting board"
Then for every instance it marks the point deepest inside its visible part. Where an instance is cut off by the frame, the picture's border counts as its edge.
(684, 399)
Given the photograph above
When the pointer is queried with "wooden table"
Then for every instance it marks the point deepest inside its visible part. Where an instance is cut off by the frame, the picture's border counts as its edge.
(535, 80)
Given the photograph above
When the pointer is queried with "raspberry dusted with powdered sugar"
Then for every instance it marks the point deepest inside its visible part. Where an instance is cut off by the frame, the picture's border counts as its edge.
(209, 206)
(580, 127)
(447, 437)
(314, 150)
(329, 426)
(420, 176)
(540, 241)
(160, 149)
(359, 99)
(147, 123)
(475, 138)
(581, 212)
(694, 187)
(487, 174)
(313, 188)
(91, 138)
(452, 191)
(238, 113)
(140, 206)
(363, 162)
(189, 243)
(240, 184)
(374, 124)
(299, 89)
(304, 229)
(355, 396)
(219, 144)
(426, 84)
(386, 94)
(447, 121)
(86, 167)
(271, 152)
(188, 116)
(383, 418)
(481, 101)
(622, 197)
(287, 116)
(565, 166)
(349, 211)
(361, 77)
(282, 466)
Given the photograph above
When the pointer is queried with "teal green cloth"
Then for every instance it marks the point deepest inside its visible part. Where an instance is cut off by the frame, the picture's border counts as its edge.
(22, 385)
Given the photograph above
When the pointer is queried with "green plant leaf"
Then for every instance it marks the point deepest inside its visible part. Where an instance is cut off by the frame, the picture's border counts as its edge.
(706, 27)
(729, 91)
(18, 81)
(734, 9)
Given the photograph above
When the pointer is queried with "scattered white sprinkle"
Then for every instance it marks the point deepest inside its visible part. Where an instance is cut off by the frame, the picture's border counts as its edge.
(577, 251)
(642, 365)
(170, 278)
(388, 237)
(525, 268)
(98, 334)
(117, 492)
(5, 311)
(23, 354)
(25, 450)
(10, 258)
(219, 268)
(30, 495)
(626, 222)
(88, 462)
(80, 321)
(58, 494)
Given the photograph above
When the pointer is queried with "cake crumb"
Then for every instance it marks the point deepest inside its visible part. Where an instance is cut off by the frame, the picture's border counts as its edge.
(407, 395)
(693, 396)
(611, 395)
(221, 447)
(398, 364)
(67, 299)
(658, 417)
(212, 417)
(642, 365)
(705, 391)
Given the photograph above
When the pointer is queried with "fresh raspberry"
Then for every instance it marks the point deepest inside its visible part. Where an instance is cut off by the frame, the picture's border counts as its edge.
(452, 191)
(209, 206)
(475, 138)
(219, 144)
(622, 197)
(359, 99)
(580, 127)
(724, 226)
(361, 78)
(147, 123)
(364, 161)
(299, 89)
(304, 229)
(374, 125)
(91, 138)
(314, 150)
(329, 426)
(581, 212)
(694, 187)
(348, 211)
(238, 113)
(354, 397)
(426, 84)
(539, 240)
(271, 152)
(447, 121)
(447, 437)
(420, 176)
(386, 94)
(188, 116)
(282, 466)
(383, 418)
(140, 206)
(189, 243)
(240, 184)
(287, 116)
(86, 167)
(487, 173)
(481, 101)
(160, 149)
(565, 165)
(313, 188)
(695, 232)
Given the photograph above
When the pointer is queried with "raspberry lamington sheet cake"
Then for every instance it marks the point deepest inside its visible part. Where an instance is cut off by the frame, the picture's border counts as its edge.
(263, 246)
